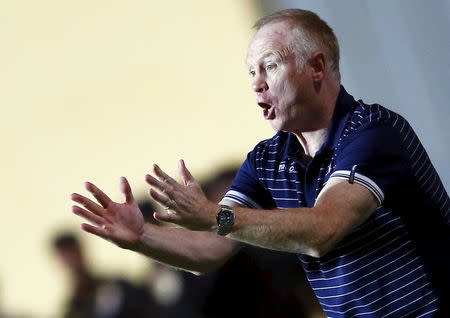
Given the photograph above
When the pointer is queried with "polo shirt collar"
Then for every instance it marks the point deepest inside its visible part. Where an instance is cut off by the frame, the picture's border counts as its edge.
(344, 104)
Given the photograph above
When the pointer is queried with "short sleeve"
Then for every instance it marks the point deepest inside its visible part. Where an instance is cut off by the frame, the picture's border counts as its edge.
(246, 188)
(373, 156)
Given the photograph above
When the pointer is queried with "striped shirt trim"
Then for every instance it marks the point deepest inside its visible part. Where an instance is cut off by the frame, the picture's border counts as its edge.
(362, 180)
(241, 199)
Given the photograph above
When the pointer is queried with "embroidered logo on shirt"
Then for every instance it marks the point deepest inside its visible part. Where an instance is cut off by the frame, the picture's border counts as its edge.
(328, 169)
(281, 167)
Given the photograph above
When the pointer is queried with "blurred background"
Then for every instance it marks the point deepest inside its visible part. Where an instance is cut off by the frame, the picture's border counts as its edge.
(94, 90)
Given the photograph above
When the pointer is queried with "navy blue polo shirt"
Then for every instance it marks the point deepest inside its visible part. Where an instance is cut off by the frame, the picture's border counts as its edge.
(395, 264)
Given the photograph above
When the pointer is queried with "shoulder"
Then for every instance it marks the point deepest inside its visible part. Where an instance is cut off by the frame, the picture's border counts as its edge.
(374, 119)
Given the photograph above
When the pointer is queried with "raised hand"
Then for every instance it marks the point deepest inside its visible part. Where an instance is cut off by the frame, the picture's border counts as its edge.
(185, 204)
(121, 223)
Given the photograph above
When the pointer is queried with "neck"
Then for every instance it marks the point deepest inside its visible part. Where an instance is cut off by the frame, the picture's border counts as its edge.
(311, 141)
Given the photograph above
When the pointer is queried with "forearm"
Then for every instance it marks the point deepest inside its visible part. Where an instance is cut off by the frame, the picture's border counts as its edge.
(299, 230)
(312, 231)
(189, 250)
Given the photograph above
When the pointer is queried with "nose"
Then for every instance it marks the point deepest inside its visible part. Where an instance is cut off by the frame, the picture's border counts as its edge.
(259, 85)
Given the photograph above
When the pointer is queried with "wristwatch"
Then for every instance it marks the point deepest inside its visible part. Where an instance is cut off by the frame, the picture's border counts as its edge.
(225, 220)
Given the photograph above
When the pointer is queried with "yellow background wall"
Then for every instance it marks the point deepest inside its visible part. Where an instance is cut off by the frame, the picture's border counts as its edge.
(93, 90)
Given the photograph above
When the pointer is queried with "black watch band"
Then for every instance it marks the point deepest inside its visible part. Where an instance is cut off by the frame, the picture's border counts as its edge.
(225, 220)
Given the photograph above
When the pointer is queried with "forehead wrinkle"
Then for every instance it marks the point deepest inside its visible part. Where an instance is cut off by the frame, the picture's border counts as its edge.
(261, 51)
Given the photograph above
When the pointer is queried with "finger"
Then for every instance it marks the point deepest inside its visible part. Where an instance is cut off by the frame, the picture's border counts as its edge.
(99, 231)
(166, 217)
(163, 187)
(101, 197)
(184, 173)
(164, 176)
(88, 215)
(126, 189)
(160, 198)
(88, 204)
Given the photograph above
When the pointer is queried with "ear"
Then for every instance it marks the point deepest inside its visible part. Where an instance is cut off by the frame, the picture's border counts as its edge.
(318, 66)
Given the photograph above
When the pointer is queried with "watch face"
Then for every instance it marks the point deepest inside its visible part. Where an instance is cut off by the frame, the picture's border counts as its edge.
(225, 221)
(225, 217)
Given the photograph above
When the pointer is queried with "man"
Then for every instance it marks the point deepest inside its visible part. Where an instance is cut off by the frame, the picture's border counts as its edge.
(346, 185)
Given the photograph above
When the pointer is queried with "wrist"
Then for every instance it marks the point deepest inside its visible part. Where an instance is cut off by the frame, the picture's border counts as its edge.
(142, 243)
(212, 219)
(225, 220)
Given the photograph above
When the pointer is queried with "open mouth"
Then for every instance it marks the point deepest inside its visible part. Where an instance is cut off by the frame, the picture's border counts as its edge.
(267, 110)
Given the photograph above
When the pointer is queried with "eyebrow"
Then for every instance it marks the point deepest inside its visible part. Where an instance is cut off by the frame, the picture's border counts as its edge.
(277, 55)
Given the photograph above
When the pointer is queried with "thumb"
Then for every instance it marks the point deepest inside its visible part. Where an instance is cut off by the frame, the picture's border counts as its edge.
(126, 189)
(184, 173)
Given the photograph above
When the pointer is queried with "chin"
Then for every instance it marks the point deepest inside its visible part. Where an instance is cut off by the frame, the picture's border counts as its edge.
(276, 127)
(280, 126)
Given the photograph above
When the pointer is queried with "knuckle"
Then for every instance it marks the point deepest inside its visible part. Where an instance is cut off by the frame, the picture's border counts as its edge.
(170, 188)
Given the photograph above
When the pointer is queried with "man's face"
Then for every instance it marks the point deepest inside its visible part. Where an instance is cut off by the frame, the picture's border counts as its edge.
(283, 90)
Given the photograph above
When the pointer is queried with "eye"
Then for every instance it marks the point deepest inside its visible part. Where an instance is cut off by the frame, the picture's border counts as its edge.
(252, 73)
(270, 67)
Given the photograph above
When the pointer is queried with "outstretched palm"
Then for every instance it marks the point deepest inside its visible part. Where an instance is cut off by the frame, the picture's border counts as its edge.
(121, 223)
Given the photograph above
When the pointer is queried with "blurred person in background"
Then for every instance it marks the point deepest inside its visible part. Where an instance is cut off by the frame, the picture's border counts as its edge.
(92, 296)
(345, 185)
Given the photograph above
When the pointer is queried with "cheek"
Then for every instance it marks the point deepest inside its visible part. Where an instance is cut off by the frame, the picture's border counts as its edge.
(288, 93)
(280, 88)
(283, 89)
